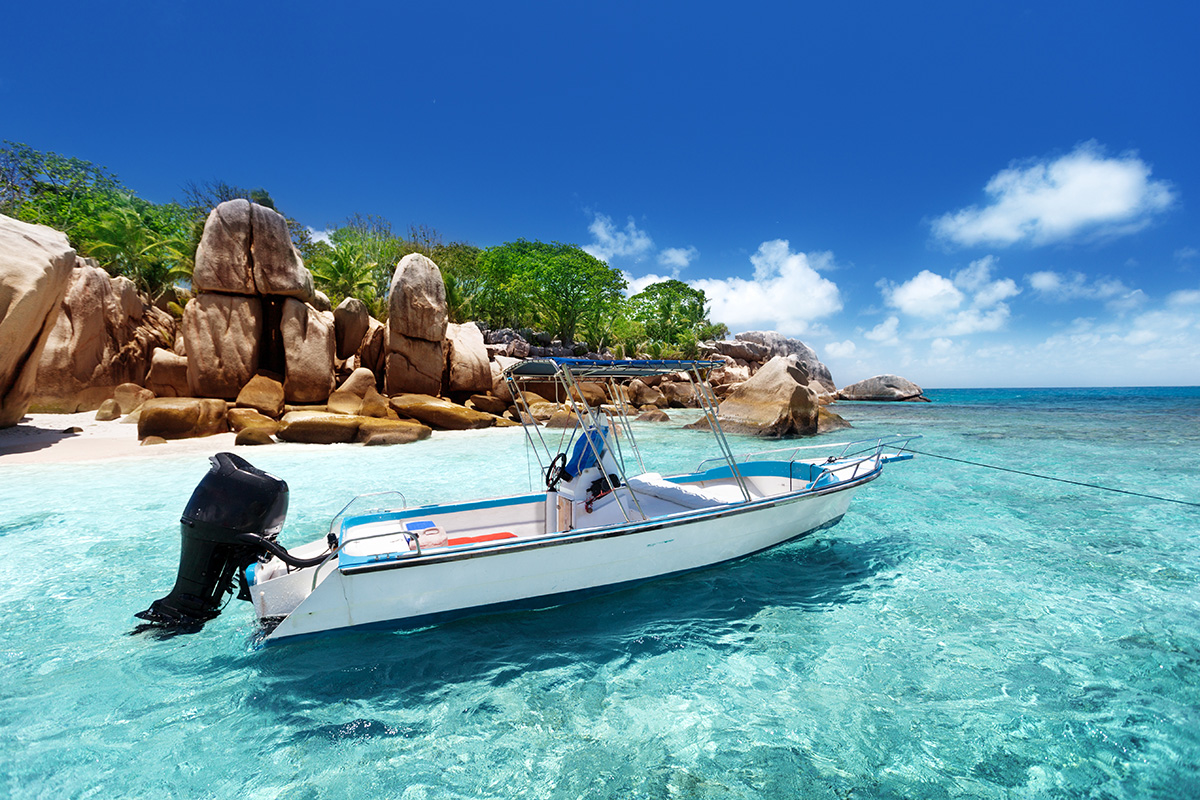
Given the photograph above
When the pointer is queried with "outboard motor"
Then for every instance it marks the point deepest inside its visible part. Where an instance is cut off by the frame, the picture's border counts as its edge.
(233, 517)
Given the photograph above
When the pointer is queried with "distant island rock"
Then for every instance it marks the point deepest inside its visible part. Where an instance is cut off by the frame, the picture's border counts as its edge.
(884, 387)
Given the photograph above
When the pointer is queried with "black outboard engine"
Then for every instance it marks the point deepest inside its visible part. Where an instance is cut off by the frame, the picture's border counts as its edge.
(233, 517)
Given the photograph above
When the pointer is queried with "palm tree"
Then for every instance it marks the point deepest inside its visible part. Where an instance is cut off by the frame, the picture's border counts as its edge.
(141, 242)
(345, 272)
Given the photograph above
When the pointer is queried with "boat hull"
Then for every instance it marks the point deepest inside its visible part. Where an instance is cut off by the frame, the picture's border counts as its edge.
(548, 571)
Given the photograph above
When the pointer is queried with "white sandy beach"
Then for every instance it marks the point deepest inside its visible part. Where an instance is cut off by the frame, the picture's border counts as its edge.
(41, 439)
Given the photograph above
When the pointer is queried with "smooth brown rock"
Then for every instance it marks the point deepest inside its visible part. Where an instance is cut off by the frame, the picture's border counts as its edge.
(264, 393)
(415, 367)
(679, 394)
(589, 392)
(181, 417)
(128, 396)
(372, 353)
(488, 404)
(108, 411)
(399, 431)
(467, 365)
(168, 374)
(416, 301)
(830, 421)
(359, 382)
(149, 440)
(350, 321)
(222, 262)
(341, 402)
(374, 404)
(562, 419)
(775, 402)
(254, 435)
(883, 388)
(35, 267)
(223, 334)
(385, 438)
(242, 418)
(308, 350)
(642, 394)
(311, 427)
(440, 414)
(104, 337)
(657, 415)
(277, 267)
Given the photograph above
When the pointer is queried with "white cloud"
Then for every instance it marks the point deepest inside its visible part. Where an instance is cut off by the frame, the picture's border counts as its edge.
(941, 346)
(1061, 287)
(1184, 297)
(677, 258)
(939, 299)
(609, 242)
(1083, 192)
(786, 293)
(927, 295)
(319, 235)
(1186, 254)
(634, 285)
(840, 349)
(885, 332)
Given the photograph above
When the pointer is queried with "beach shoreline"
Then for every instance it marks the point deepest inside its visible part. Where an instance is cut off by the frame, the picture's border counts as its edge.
(53, 439)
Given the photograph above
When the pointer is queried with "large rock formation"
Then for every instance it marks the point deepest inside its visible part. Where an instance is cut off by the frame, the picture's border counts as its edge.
(104, 337)
(256, 308)
(223, 334)
(35, 265)
(416, 327)
(776, 402)
(467, 368)
(350, 322)
(883, 387)
(777, 344)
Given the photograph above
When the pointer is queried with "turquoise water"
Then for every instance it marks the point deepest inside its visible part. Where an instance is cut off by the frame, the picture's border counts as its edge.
(962, 633)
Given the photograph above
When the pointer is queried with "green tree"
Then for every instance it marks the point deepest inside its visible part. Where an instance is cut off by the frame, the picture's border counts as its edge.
(346, 270)
(146, 243)
(558, 287)
(62, 192)
(674, 316)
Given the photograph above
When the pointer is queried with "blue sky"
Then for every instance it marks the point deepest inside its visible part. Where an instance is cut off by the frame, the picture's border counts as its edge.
(964, 194)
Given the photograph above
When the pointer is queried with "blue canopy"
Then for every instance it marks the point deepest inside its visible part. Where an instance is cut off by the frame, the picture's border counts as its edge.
(603, 368)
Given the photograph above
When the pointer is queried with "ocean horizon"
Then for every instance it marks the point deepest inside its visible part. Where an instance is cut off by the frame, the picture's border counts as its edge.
(963, 632)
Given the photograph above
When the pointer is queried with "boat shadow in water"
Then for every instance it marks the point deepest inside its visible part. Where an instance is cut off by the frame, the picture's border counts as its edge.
(712, 609)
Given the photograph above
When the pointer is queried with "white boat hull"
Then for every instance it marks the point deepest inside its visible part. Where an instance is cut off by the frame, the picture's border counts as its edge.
(542, 572)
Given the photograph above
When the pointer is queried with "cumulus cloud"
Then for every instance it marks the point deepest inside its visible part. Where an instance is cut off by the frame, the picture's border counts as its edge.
(928, 295)
(1061, 287)
(1040, 202)
(840, 349)
(635, 285)
(319, 235)
(786, 293)
(971, 302)
(885, 332)
(609, 242)
(677, 258)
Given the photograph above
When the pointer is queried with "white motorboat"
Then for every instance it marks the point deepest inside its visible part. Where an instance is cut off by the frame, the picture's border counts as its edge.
(603, 522)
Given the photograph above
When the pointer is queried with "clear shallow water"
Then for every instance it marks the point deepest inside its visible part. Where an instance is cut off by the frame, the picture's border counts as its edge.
(962, 633)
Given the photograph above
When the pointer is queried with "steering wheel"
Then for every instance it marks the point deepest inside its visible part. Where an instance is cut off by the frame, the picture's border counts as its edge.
(554, 472)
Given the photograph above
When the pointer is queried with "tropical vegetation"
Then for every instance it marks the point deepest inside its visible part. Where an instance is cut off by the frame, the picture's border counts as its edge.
(553, 287)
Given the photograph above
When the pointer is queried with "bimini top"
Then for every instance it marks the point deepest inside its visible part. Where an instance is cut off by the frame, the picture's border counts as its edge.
(601, 368)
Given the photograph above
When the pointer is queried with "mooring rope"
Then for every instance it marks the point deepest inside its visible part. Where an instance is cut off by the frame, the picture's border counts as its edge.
(1052, 478)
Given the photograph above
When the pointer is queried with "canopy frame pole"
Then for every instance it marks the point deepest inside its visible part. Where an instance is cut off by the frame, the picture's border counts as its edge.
(709, 405)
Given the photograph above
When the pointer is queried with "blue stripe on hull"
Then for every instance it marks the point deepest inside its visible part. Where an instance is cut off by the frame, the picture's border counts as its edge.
(530, 603)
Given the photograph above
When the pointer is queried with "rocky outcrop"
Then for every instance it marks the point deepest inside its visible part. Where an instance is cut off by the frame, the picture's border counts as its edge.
(314, 427)
(223, 334)
(777, 344)
(181, 418)
(264, 394)
(35, 266)
(439, 413)
(350, 322)
(308, 350)
(255, 308)
(467, 368)
(776, 402)
(416, 327)
(168, 374)
(104, 337)
(883, 387)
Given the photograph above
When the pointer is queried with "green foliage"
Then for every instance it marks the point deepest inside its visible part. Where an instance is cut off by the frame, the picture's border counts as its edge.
(342, 269)
(674, 320)
(62, 192)
(146, 243)
(555, 287)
